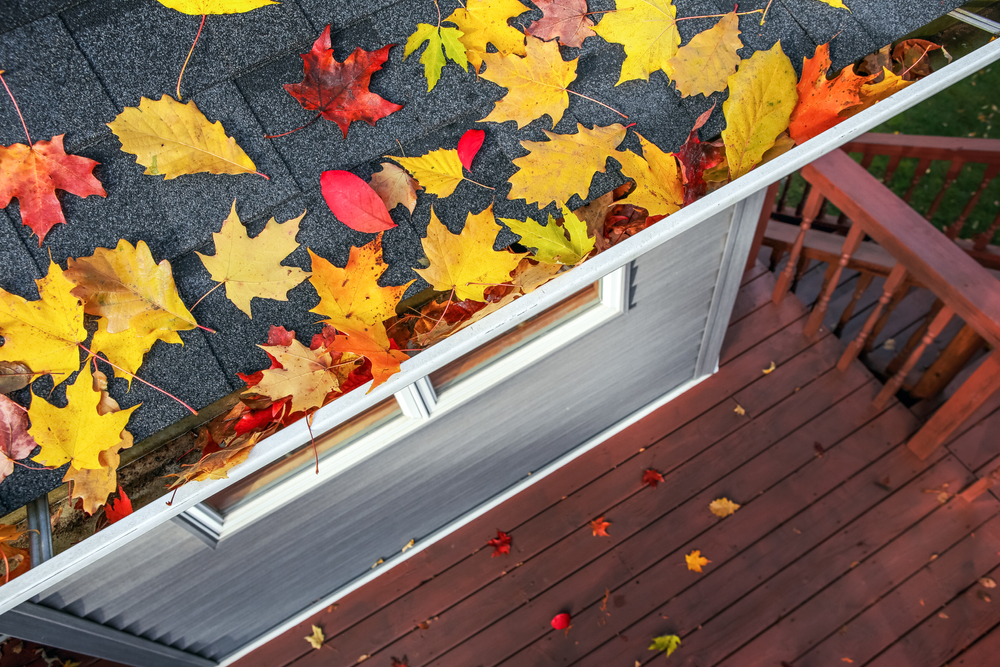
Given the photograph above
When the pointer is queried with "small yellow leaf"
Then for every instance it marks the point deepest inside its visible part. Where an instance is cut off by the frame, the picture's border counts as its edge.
(251, 267)
(536, 84)
(438, 172)
(377, 563)
(550, 241)
(130, 289)
(648, 31)
(317, 637)
(409, 545)
(739, 410)
(45, 333)
(703, 65)
(838, 4)
(987, 582)
(467, 262)
(199, 7)
(889, 344)
(76, 434)
(555, 170)
(658, 181)
(769, 369)
(762, 96)
(722, 507)
(175, 139)
(695, 561)
(484, 22)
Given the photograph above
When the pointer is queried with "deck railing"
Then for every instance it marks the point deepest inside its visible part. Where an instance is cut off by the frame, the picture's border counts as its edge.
(920, 255)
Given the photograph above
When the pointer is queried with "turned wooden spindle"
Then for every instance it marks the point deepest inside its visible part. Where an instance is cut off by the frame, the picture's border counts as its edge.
(851, 243)
(903, 353)
(984, 239)
(892, 283)
(896, 381)
(864, 282)
(814, 202)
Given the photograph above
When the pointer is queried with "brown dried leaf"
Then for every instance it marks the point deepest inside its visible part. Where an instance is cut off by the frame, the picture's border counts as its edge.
(14, 375)
(395, 186)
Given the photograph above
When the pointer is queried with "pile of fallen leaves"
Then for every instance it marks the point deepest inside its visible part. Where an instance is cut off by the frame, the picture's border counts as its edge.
(115, 304)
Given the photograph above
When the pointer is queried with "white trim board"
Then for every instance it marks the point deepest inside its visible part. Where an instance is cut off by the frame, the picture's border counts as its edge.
(50, 573)
(443, 532)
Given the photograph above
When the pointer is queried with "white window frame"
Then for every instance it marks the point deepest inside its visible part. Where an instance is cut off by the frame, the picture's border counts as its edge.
(420, 406)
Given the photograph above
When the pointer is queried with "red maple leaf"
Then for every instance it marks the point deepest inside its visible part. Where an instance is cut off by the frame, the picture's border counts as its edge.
(600, 527)
(500, 544)
(339, 91)
(34, 173)
(400, 662)
(651, 478)
(117, 510)
(696, 157)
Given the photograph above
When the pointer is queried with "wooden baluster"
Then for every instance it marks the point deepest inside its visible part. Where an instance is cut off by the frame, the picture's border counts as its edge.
(949, 180)
(904, 352)
(890, 169)
(854, 238)
(985, 238)
(813, 203)
(800, 270)
(949, 363)
(918, 175)
(802, 202)
(896, 381)
(897, 298)
(955, 229)
(864, 282)
(892, 284)
(867, 159)
(762, 220)
(982, 384)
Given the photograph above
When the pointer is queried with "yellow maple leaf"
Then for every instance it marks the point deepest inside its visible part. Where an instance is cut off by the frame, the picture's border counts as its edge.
(396, 187)
(658, 181)
(317, 637)
(722, 507)
(45, 333)
(77, 433)
(762, 96)
(199, 7)
(484, 22)
(648, 31)
(130, 289)
(555, 170)
(875, 92)
(438, 172)
(252, 268)
(93, 486)
(308, 376)
(350, 298)
(127, 348)
(174, 139)
(837, 4)
(554, 243)
(703, 65)
(536, 84)
(466, 262)
(695, 561)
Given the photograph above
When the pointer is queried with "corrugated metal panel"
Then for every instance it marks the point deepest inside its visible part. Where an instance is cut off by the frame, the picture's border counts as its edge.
(169, 587)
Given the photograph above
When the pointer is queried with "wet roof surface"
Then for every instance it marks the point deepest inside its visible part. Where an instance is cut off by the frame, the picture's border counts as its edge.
(74, 65)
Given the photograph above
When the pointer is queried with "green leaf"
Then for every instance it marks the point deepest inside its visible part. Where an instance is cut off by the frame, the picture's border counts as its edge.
(668, 643)
(442, 45)
(550, 242)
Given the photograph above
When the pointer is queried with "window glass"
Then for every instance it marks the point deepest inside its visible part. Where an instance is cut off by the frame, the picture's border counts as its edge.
(304, 457)
(496, 349)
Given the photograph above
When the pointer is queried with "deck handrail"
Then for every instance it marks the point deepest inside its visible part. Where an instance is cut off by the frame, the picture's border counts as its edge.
(963, 287)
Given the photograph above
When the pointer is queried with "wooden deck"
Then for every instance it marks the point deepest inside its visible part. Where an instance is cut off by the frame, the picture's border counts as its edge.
(847, 548)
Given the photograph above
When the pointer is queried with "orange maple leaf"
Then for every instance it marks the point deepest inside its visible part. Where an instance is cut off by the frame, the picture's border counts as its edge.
(34, 173)
(15, 560)
(821, 99)
(385, 358)
(600, 527)
(695, 561)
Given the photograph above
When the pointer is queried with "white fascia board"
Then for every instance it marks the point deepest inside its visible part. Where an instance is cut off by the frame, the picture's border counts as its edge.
(50, 573)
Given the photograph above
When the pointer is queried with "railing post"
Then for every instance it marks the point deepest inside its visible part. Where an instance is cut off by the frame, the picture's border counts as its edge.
(980, 386)
(949, 363)
(893, 385)
(813, 204)
(851, 244)
(892, 283)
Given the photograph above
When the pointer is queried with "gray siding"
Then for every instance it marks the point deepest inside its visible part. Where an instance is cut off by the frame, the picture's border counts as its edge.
(170, 587)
